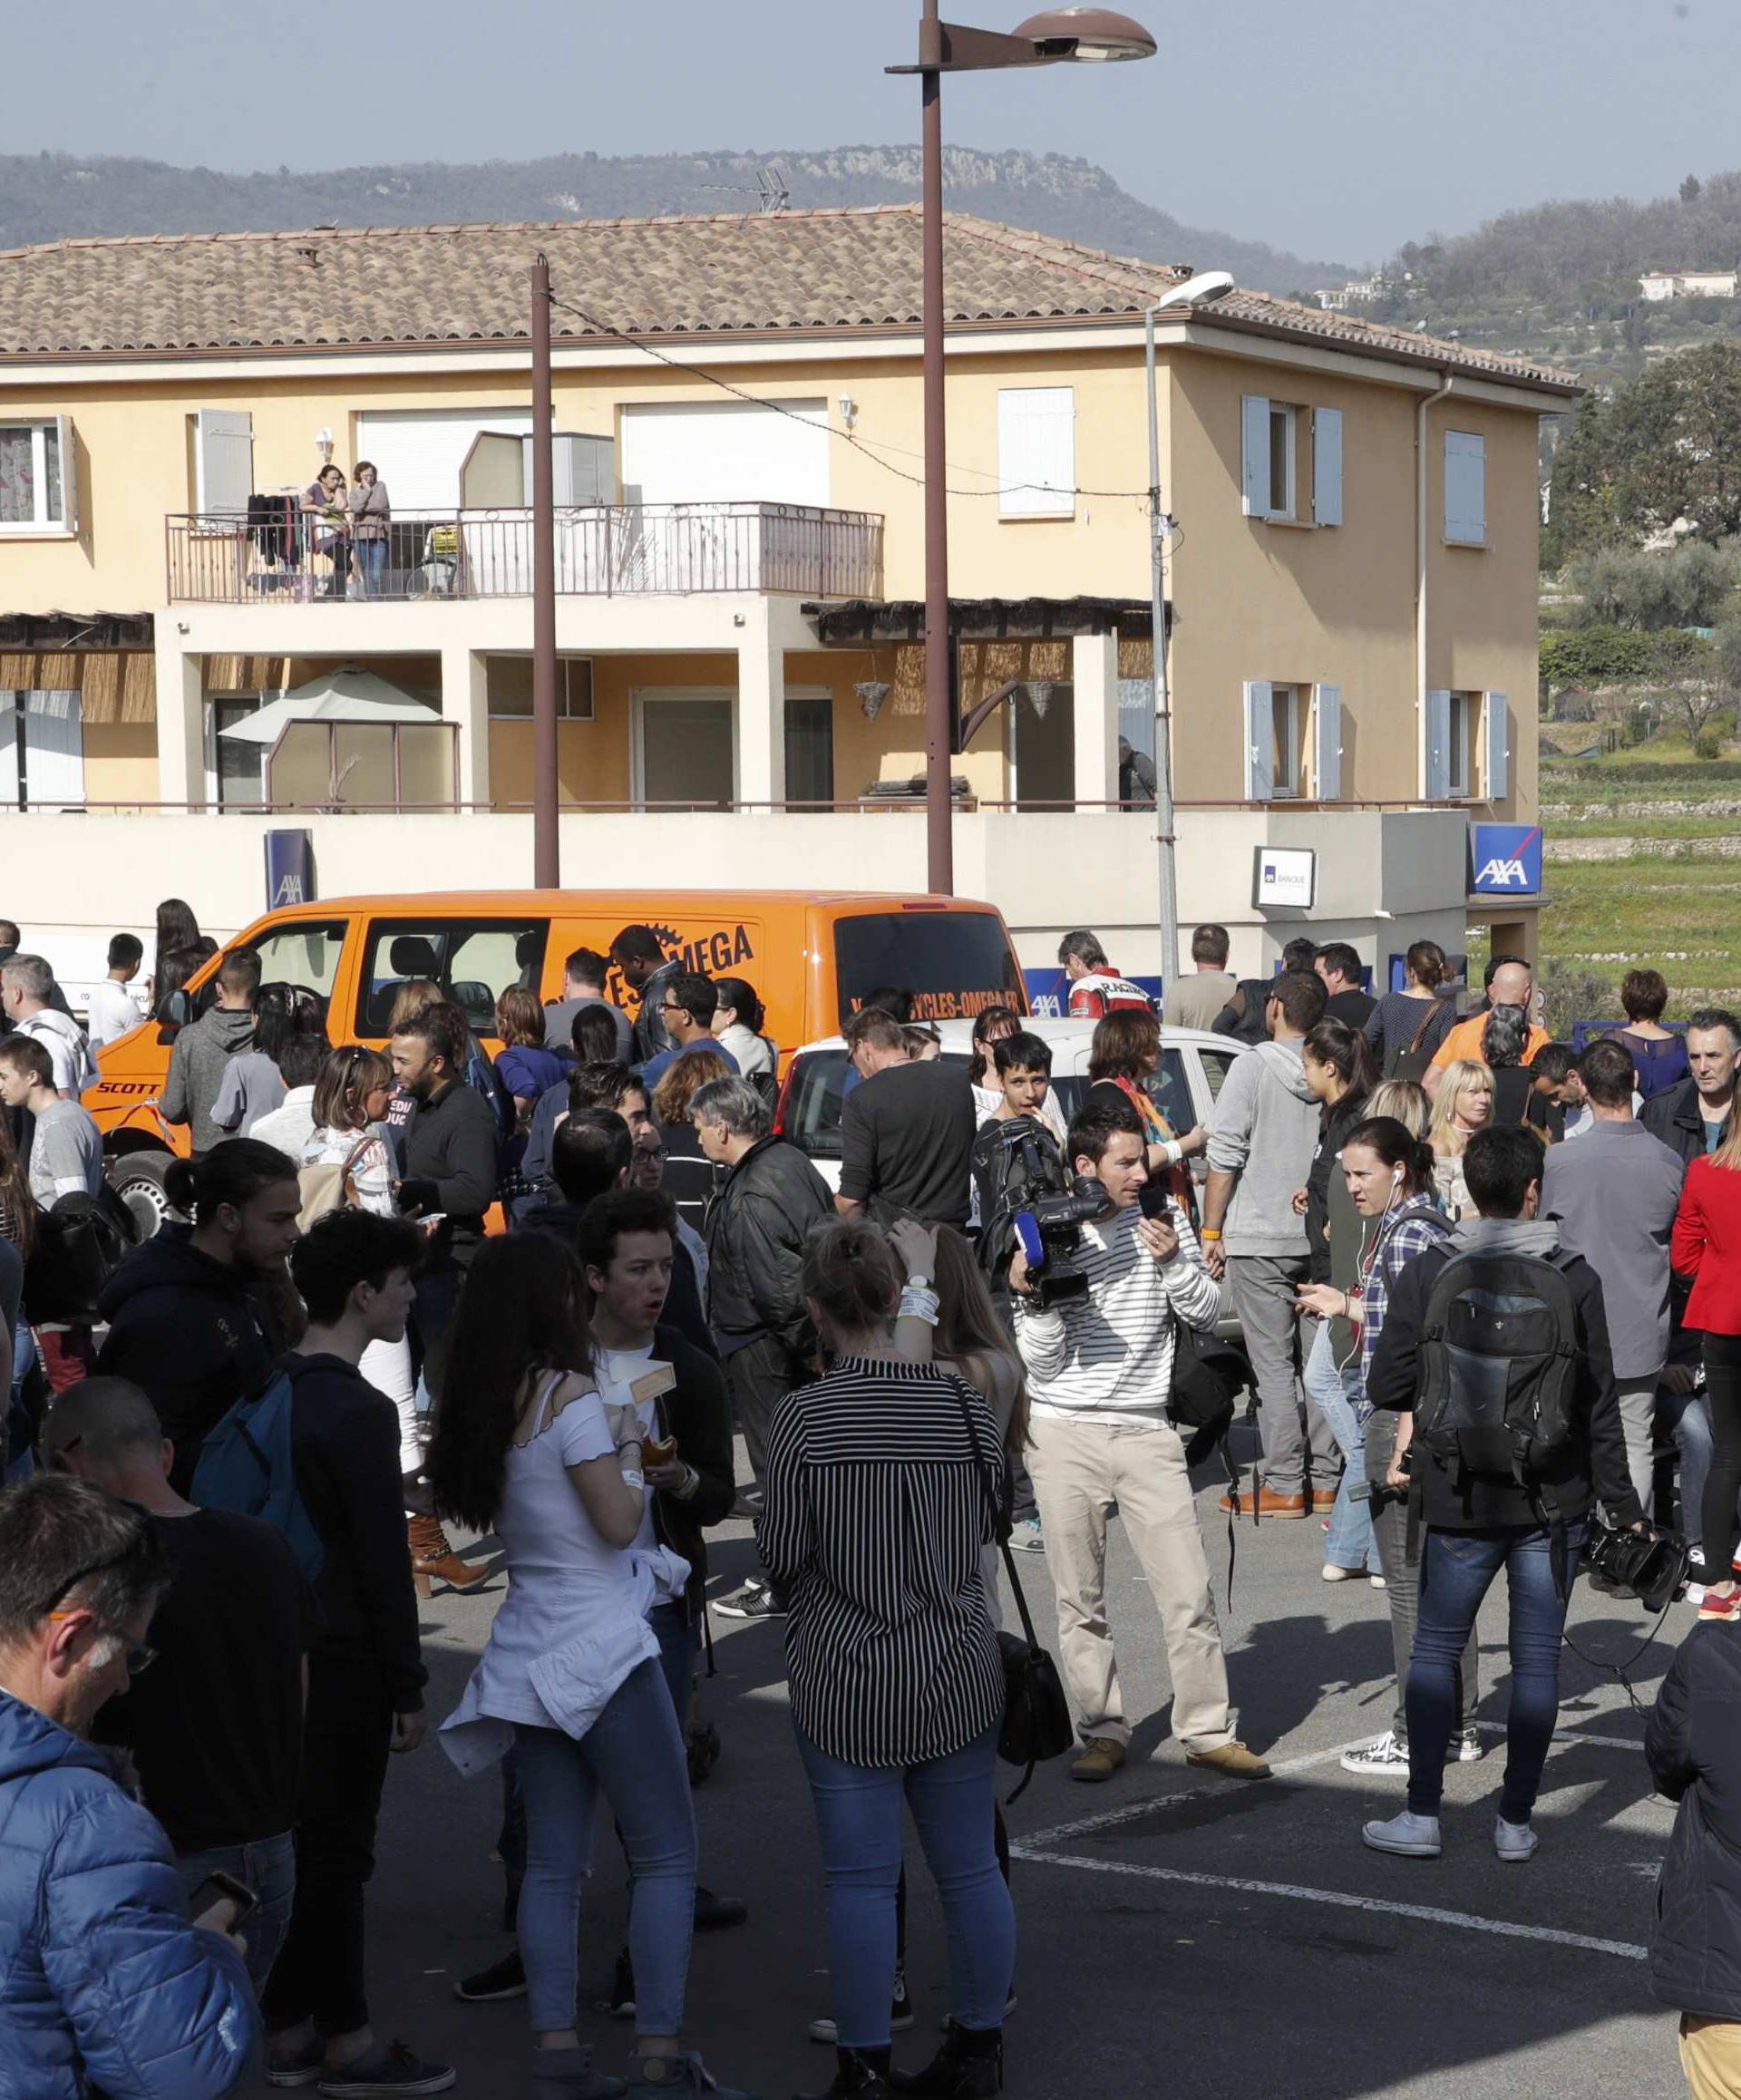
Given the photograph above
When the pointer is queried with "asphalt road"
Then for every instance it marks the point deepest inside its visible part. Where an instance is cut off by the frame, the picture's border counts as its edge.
(1179, 1934)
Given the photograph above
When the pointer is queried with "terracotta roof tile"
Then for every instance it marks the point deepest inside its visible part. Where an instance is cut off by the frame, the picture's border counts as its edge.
(822, 270)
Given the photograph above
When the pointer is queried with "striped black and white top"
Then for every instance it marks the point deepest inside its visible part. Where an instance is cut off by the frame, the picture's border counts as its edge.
(877, 1505)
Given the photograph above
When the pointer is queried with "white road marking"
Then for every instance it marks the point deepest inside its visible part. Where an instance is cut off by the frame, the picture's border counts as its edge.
(1428, 1913)
(1570, 1739)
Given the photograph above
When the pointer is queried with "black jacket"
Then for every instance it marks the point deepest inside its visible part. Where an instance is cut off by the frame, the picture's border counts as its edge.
(651, 1034)
(1693, 1743)
(766, 1208)
(1242, 1017)
(191, 1333)
(1334, 1123)
(1595, 1460)
(698, 1413)
(452, 1144)
(344, 1446)
(1674, 1118)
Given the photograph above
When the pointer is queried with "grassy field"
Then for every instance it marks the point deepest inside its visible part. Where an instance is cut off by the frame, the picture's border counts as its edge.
(1680, 916)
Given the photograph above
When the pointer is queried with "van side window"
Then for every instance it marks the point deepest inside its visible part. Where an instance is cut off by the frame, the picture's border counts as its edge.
(473, 960)
(305, 953)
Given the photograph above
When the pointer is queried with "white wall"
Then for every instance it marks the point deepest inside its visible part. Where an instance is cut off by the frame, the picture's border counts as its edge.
(72, 879)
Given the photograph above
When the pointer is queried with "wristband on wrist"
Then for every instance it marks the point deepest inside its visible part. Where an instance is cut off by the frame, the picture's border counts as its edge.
(1210, 1232)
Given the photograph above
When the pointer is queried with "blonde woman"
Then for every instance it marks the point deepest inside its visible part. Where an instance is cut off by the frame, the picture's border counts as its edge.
(1463, 1104)
(1405, 1101)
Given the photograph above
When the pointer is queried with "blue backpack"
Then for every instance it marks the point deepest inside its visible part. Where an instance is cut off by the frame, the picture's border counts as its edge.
(246, 1464)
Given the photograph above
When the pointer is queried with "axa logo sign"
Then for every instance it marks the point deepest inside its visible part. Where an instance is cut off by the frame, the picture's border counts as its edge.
(1505, 859)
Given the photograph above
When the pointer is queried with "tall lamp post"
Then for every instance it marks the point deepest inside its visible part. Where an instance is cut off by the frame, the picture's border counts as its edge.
(1198, 291)
(1059, 34)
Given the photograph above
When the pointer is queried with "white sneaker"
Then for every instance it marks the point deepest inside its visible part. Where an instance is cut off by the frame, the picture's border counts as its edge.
(1387, 1755)
(1409, 1836)
(1465, 1749)
(1514, 1842)
(1332, 1573)
(1378, 1581)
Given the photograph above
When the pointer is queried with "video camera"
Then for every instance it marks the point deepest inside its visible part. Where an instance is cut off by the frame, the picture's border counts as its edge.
(1049, 1231)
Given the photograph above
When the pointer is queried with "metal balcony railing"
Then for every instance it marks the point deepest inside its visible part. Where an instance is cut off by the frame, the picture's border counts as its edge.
(267, 556)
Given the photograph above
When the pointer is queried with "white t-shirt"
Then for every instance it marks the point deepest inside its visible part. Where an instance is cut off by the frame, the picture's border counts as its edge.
(74, 1068)
(111, 1012)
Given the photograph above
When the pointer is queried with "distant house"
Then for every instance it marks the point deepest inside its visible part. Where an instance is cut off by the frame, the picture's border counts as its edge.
(1356, 292)
(1657, 285)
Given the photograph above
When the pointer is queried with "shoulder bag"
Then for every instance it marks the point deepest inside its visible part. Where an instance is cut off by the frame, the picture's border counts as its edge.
(1412, 1064)
(1036, 1715)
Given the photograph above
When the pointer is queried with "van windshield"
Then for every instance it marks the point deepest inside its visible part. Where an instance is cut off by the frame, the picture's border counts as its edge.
(955, 963)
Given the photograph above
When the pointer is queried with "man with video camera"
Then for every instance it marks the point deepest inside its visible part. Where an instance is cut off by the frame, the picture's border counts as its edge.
(1098, 1345)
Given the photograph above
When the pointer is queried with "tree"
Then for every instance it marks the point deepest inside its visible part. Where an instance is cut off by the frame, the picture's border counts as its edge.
(1695, 707)
(1690, 189)
(1673, 444)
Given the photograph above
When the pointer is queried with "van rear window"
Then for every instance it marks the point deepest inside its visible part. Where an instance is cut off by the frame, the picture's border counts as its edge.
(955, 963)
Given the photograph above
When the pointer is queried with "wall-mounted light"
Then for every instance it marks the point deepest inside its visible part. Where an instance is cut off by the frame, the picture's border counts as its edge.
(849, 412)
(324, 445)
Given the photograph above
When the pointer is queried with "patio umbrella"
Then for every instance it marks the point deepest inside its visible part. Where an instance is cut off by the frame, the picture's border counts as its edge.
(346, 695)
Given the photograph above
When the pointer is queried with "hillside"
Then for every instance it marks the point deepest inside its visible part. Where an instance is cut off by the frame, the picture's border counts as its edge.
(1560, 280)
(52, 196)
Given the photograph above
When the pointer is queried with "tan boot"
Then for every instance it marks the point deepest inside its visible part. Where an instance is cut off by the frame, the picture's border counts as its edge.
(1101, 1757)
(433, 1560)
(1233, 1759)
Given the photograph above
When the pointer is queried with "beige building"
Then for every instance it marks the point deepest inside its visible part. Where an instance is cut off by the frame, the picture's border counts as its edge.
(740, 571)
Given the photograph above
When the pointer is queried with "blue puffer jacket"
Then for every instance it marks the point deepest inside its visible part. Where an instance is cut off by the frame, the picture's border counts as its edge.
(103, 1983)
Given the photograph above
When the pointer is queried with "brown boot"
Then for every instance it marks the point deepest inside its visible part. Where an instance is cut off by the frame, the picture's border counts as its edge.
(433, 1559)
(1101, 1757)
(1264, 1502)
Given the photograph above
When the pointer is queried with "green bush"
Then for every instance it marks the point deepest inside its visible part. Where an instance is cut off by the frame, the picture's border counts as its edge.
(1709, 743)
(1641, 772)
(1606, 656)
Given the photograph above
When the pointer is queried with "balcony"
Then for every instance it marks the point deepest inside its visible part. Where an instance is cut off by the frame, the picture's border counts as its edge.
(617, 550)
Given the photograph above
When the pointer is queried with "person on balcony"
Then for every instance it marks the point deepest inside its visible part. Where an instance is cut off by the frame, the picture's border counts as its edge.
(327, 527)
(371, 519)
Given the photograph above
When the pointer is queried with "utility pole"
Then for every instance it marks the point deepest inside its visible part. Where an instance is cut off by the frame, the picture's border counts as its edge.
(547, 853)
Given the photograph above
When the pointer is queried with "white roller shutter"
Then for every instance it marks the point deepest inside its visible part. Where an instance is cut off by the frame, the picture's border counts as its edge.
(1436, 786)
(1499, 746)
(1037, 451)
(1465, 488)
(223, 459)
(1260, 740)
(1327, 466)
(1327, 756)
(1254, 437)
(726, 452)
(418, 453)
(53, 752)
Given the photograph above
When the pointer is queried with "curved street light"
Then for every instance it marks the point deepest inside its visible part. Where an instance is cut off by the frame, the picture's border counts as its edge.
(1056, 35)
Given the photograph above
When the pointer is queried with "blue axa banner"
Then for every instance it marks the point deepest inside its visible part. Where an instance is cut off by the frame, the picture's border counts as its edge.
(1505, 860)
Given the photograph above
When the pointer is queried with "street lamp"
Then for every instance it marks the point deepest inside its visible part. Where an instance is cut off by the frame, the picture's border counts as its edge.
(1058, 34)
(1201, 290)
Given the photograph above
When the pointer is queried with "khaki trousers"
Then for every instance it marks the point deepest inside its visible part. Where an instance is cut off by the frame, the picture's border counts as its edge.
(1080, 1470)
(1711, 2055)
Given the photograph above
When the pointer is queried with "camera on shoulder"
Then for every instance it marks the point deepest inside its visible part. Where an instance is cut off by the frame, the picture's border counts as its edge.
(1040, 1208)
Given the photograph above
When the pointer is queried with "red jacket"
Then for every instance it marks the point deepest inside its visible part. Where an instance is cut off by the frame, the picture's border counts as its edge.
(1706, 1246)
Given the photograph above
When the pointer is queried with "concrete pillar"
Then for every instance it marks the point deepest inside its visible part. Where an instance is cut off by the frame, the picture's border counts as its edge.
(1094, 673)
(465, 699)
(760, 709)
(180, 717)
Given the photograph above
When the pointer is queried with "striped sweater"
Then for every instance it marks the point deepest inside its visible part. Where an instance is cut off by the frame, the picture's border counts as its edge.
(1108, 1357)
(878, 1499)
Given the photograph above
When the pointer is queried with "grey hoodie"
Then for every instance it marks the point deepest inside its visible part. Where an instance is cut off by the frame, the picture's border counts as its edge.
(197, 1061)
(1265, 1130)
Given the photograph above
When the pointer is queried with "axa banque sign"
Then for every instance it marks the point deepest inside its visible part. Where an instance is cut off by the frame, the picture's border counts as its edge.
(1505, 859)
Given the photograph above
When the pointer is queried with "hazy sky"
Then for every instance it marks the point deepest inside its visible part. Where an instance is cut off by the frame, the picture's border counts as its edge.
(1337, 130)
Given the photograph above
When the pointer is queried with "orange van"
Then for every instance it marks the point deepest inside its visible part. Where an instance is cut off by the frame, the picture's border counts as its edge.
(811, 955)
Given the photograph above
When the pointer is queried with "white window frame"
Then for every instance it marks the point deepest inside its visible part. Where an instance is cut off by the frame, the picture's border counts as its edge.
(40, 527)
(1284, 504)
(645, 697)
(1019, 496)
(1287, 784)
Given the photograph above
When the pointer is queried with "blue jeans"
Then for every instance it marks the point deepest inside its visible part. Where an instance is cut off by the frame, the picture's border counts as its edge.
(370, 557)
(268, 1867)
(1457, 1569)
(1350, 1543)
(1689, 1418)
(633, 1755)
(858, 1819)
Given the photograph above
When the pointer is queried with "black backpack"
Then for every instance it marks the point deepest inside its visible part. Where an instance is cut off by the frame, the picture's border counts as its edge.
(1499, 1367)
(1021, 1164)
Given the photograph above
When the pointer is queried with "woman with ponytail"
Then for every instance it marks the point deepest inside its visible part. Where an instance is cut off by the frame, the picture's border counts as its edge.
(884, 1479)
(199, 1315)
(1388, 1173)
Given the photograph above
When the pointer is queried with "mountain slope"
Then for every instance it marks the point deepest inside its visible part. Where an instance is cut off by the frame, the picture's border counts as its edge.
(54, 196)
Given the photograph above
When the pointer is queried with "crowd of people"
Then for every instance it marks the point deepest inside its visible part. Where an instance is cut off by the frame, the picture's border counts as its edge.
(1483, 1282)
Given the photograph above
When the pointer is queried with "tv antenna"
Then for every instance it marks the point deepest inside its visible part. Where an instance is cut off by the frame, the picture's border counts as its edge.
(771, 190)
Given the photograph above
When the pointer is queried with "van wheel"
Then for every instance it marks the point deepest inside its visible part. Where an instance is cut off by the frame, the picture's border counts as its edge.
(137, 1178)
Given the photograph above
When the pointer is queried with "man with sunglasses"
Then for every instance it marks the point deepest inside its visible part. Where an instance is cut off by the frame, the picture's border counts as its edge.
(686, 1006)
(105, 1983)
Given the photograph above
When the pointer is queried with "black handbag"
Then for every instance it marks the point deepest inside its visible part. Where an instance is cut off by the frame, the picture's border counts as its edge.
(1036, 1715)
(1208, 1376)
(1412, 1064)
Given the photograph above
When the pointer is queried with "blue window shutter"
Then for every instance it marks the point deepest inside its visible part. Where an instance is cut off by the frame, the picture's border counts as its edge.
(1327, 756)
(1254, 426)
(1465, 488)
(1259, 731)
(1499, 746)
(1436, 787)
(1327, 466)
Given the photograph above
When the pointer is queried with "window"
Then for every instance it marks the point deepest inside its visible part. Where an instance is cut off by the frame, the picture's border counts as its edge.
(36, 476)
(1281, 461)
(685, 749)
(509, 682)
(1042, 746)
(810, 747)
(1460, 746)
(473, 960)
(957, 962)
(42, 749)
(238, 767)
(1465, 489)
(1284, 732)
(1216, 1063)
(1270, 444)
(1037, 451)
(306, 954)
(1274, 725)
